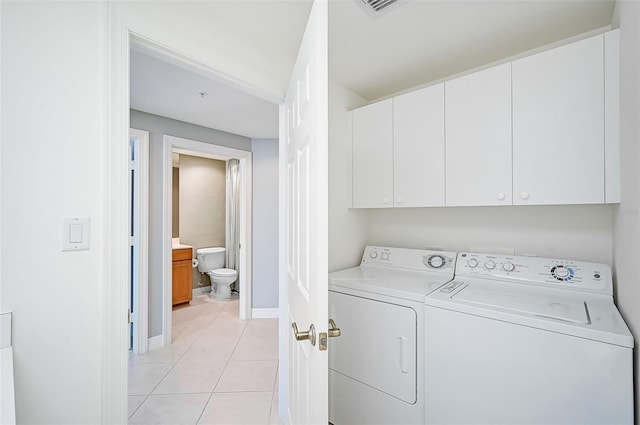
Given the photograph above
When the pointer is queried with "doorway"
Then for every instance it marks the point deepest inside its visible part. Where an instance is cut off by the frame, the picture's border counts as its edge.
(117, 253)
(206, 150)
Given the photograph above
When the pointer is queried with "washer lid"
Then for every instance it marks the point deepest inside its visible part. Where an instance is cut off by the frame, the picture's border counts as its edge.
(566, 309)
(580, 314)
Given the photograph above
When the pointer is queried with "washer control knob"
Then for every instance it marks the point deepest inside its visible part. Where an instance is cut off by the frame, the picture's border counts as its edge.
(374, 254)
(490, 265)
(436, 261)
(473, 263)
(385, 255)
(508, 267)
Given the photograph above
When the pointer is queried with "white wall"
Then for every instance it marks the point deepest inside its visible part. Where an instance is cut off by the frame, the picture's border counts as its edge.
(157, 127)
(265, 223)
(581, 232)
(53, 165)
(626, 227)
(347, 227)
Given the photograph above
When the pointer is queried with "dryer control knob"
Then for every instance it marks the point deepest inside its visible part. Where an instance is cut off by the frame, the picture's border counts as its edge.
(473, 263)
(385, 256)
(490, 265)
(373, 254)
(436, 261)
(508, 267)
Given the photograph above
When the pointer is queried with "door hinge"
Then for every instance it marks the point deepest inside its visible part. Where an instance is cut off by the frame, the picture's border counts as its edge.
(129, 321)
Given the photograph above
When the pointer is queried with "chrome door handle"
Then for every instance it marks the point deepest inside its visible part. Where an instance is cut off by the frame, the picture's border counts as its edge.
(309, 335)
(334, 331)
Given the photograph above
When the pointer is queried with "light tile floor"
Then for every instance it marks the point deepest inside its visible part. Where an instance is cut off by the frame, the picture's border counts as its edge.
(219, 370)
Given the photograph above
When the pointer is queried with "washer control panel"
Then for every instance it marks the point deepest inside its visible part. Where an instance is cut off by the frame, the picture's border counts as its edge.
(415, 259)
(566, 274)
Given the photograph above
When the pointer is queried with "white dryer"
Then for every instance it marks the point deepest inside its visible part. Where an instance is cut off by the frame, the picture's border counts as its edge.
(376, 366)
(529, 341)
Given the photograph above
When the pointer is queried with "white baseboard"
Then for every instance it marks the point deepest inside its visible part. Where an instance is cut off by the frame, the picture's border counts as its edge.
(265, 313)
(156, 342)
(201, 290)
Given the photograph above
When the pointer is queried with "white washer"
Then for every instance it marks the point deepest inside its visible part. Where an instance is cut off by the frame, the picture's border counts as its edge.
(376, 366)
(528, 341)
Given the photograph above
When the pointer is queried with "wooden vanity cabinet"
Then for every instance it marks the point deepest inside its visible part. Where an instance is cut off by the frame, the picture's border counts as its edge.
(182, 276)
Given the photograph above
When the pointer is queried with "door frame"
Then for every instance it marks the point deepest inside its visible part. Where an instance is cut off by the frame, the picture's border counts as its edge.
(207, 150)
(123, 31)
(140, 314)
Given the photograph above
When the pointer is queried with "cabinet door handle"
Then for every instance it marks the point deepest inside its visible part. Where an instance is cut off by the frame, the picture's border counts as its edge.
(500, 196)
(524, 195)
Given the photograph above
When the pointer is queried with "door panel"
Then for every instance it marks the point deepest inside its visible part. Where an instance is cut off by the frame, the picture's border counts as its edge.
(303, 163)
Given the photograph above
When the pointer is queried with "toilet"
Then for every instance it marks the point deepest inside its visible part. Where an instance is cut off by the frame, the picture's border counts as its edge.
(211, 262)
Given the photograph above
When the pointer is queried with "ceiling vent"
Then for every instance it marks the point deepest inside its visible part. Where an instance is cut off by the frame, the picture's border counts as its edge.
(377, 6)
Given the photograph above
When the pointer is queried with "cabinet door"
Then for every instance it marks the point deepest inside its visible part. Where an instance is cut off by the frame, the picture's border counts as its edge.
(418, 148)
(558, 125)
(478, 138)
(182, 279)
(373, 156)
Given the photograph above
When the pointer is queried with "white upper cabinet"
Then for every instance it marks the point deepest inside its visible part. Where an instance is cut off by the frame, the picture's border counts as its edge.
(418, 148)
(558, 125)
(478, 138)
(372, 140)
(541, 130)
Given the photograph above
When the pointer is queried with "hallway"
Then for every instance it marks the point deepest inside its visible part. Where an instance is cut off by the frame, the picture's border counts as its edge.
(219, 370)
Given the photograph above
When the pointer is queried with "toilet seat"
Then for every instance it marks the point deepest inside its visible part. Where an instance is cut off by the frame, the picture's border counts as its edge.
(224, 272)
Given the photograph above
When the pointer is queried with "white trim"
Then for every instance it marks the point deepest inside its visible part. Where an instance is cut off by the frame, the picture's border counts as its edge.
(283, 289)
(156, 342)
(141, 284)
(115, 282)
(265, 313)
(191, 147)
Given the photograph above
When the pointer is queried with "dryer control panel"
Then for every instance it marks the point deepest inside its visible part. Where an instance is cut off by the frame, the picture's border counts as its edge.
(565, 274)
(413, 259)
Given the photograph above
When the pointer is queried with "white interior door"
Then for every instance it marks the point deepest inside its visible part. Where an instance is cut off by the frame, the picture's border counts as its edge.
(303, 166)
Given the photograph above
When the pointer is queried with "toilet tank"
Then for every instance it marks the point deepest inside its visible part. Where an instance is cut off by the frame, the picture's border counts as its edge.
(210, 258)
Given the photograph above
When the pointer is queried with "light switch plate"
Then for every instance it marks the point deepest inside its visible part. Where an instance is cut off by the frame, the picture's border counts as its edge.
(75, 233)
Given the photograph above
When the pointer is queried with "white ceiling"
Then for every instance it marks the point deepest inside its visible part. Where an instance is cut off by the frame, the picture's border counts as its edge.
(410, 44)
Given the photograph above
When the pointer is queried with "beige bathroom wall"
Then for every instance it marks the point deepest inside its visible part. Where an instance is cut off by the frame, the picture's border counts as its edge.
(202, 195)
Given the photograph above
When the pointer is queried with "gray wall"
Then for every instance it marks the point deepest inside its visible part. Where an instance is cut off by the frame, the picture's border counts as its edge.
(158, 127)
(265, 223)
(626, 225)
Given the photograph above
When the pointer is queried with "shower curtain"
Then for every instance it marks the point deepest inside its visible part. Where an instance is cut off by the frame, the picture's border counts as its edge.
(233, 217)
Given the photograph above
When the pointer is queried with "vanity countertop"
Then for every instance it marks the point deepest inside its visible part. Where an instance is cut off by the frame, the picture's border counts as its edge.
(175, 244)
